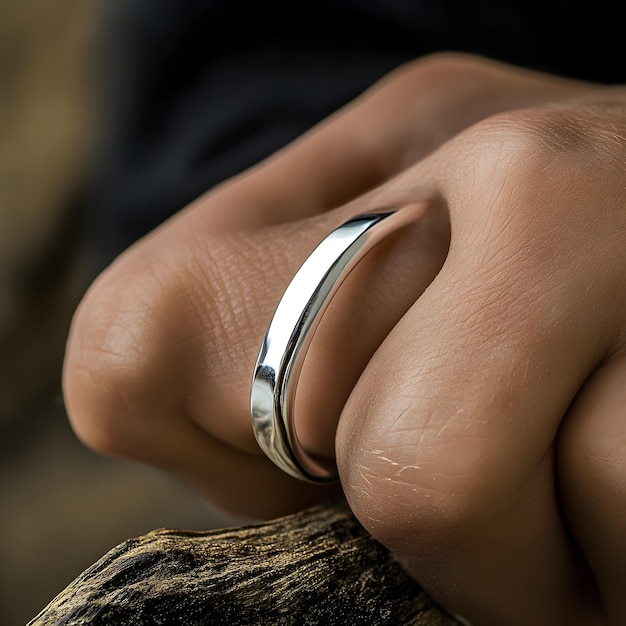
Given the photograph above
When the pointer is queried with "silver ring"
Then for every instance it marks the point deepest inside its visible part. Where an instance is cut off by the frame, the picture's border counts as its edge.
(289, 335)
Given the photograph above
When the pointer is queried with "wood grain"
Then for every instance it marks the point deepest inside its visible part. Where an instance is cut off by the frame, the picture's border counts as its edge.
(315, 567)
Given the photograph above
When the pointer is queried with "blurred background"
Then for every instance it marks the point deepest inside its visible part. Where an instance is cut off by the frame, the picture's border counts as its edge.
(61, 506)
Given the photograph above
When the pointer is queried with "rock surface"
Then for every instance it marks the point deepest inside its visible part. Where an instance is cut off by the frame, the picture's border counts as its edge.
(315, 567)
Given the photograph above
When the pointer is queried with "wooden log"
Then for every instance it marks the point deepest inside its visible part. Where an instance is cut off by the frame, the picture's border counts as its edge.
(315, 567)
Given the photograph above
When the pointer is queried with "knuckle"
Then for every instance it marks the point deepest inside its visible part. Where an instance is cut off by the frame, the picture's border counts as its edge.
(535, 177)
(160, 337)
(98, 409)
(424, 501)
(570, 139)
(444, 67)
(110, 360)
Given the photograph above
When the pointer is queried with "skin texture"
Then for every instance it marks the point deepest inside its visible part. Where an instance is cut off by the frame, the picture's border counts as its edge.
(469, 376)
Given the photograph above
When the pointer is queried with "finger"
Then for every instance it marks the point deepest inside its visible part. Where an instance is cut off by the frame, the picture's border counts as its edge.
(159, 357)
(164, 339)
(592, 480)
(445, 446)
(170, 331)
(287, 188)
(145, 385)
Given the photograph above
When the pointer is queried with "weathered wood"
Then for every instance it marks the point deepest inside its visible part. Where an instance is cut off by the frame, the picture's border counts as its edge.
(316, 567)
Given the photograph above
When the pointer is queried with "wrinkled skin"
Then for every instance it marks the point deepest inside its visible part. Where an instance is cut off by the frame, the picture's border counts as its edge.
(470, 376)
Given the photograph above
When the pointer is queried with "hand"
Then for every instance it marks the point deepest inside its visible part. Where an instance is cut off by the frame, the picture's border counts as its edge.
(473, 368)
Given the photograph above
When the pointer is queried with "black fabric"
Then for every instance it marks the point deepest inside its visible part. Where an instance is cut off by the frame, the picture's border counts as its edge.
(194, 92)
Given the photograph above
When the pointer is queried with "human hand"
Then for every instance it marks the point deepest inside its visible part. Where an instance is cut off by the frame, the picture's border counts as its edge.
(478, 435)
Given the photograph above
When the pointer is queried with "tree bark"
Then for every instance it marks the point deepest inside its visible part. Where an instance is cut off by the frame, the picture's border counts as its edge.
(315, 567)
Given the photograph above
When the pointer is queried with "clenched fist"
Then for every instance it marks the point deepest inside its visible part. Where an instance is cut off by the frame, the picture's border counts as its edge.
(469, 379)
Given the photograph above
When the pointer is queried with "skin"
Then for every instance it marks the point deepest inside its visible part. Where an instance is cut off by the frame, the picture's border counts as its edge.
(469, 377)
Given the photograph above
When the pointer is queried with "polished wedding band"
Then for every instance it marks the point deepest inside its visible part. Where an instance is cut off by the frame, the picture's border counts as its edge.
(285, 344)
